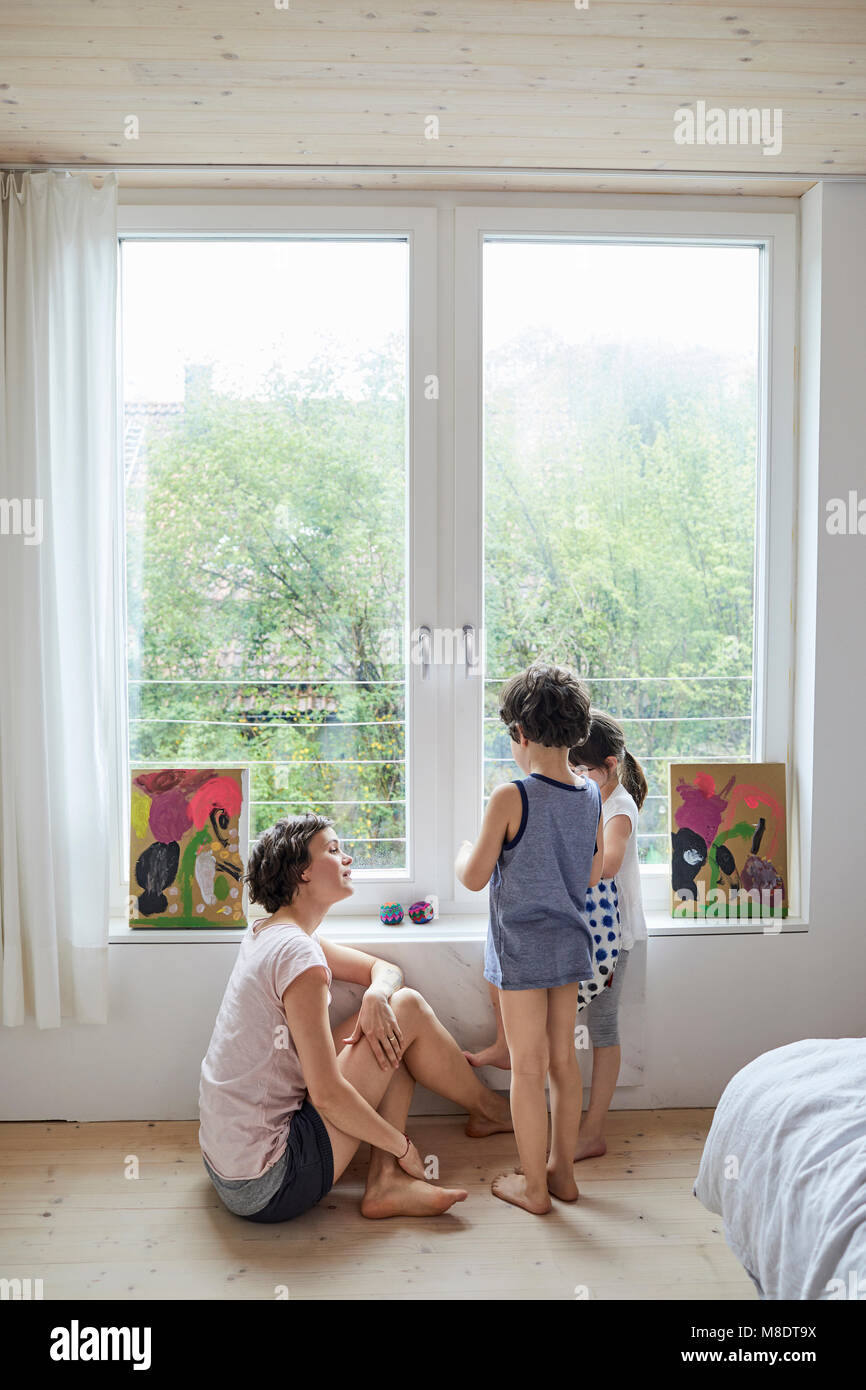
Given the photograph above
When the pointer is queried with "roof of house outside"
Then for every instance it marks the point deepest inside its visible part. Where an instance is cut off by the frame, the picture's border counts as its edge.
(144, 421)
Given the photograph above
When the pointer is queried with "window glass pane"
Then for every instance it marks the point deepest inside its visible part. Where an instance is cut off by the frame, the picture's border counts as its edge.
(620, 395)
(266, 466)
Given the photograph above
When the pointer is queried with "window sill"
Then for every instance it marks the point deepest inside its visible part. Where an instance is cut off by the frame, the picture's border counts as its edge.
(338, 928)
(456, 927)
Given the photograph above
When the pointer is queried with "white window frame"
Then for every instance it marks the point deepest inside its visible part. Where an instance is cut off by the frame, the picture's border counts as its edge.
(418, 226)
(772, 705)
(445, 552)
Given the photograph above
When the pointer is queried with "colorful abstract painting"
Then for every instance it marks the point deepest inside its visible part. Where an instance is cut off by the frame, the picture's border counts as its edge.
(729, 844)
(189, 836)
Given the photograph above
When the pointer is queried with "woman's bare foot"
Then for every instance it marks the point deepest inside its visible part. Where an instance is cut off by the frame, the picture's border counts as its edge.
(395, 1193)
(497, 1120)
(511, 1187)
(590, 1147)
(496, 1055)
(561, 1184)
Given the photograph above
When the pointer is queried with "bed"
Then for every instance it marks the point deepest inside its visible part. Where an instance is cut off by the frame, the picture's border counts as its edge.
(784, 1166)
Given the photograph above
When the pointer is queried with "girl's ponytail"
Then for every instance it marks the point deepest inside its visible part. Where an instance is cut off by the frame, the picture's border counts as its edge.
(607, 740)
(633, 779)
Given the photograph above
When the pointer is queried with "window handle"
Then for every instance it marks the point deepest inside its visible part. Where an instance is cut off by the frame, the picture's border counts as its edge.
(470, 656)
(424, 640)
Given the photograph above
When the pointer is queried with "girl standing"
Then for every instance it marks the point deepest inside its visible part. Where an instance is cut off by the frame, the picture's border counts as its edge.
(604, 757)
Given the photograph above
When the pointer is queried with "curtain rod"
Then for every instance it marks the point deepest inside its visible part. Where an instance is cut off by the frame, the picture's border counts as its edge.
(349, 170)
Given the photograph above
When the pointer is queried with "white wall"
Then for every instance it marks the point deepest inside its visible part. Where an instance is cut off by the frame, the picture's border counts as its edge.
(712, 1003)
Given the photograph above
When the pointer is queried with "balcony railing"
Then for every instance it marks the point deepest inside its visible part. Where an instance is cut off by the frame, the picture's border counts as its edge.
(657, 837)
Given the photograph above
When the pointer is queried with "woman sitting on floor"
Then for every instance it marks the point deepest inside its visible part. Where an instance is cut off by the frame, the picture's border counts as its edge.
(285, 1100)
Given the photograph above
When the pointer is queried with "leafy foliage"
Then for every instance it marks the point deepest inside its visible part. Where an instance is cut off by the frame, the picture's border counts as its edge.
(267, 572)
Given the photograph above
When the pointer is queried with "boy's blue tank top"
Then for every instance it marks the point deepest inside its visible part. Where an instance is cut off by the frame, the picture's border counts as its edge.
(538, 935)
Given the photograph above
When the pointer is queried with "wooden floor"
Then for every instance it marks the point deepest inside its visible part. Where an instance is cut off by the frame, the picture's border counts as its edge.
(69, 1216)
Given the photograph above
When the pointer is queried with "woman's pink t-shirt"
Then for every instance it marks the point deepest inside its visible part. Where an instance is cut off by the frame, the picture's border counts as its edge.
(251, 1079)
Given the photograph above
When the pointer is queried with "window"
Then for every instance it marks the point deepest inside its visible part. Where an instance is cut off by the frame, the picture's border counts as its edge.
(620, 471)
(616, 494)
(265, 438)
(621, 371)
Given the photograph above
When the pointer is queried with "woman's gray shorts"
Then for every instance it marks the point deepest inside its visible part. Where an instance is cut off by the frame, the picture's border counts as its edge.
(602, 1013)
(300, 1178)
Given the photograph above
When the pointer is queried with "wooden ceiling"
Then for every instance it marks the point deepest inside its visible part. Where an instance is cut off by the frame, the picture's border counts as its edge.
(316, 93)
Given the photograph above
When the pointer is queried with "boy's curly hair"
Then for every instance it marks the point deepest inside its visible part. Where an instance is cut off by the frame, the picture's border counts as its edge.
(550, 703)
(278, 859)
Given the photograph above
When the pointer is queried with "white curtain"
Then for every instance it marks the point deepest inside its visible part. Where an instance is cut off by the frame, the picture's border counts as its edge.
(60, 495)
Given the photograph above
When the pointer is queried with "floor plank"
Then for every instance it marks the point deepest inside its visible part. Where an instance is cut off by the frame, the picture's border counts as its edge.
(70, 1216)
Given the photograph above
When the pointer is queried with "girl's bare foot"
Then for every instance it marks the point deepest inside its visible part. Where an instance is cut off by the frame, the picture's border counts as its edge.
(561, 1184)
(398, 1194)
(588, 1147)
(511, 1187)
(496, 1121)
(496, 1055)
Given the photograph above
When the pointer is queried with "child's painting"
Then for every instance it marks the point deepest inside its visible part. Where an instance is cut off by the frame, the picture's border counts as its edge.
(729, 845)
(188, 846)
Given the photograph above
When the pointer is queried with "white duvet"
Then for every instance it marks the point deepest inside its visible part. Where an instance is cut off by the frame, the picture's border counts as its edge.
(784, 1165)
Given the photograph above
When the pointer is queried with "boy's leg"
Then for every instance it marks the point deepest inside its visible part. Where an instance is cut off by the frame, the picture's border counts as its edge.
(524, 1015)
(496, 1055)
(565, 1091)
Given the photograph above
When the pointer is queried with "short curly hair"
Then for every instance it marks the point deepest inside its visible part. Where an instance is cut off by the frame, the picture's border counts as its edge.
(550, 703)
(278, 859)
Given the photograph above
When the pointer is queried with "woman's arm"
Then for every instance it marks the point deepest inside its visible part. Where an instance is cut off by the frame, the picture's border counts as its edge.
(376, 1020)
(616, 834)
(475, 863)
(306, 1007)
(356, 966)
(359, 968)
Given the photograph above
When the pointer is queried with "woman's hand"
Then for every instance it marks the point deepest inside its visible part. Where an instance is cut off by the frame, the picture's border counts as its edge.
(411, 1163)
(378, 1023)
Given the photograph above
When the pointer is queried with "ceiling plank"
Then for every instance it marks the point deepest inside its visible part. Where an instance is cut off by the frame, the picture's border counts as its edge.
(524, 84)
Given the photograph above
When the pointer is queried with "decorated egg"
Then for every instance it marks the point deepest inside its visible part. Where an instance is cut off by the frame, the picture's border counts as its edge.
(422, 911)
(391, 914)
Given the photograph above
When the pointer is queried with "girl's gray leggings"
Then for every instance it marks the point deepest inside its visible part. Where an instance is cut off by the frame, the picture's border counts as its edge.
(602, 1014)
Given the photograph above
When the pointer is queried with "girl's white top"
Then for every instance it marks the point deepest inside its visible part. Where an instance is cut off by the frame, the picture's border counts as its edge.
(621, 803)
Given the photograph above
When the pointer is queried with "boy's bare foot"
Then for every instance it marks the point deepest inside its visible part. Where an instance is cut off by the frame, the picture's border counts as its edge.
(561, 1184)
(588, 1147)
(398, 1194)
(496, 1055)
(511, 1187)
(497, 1120)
